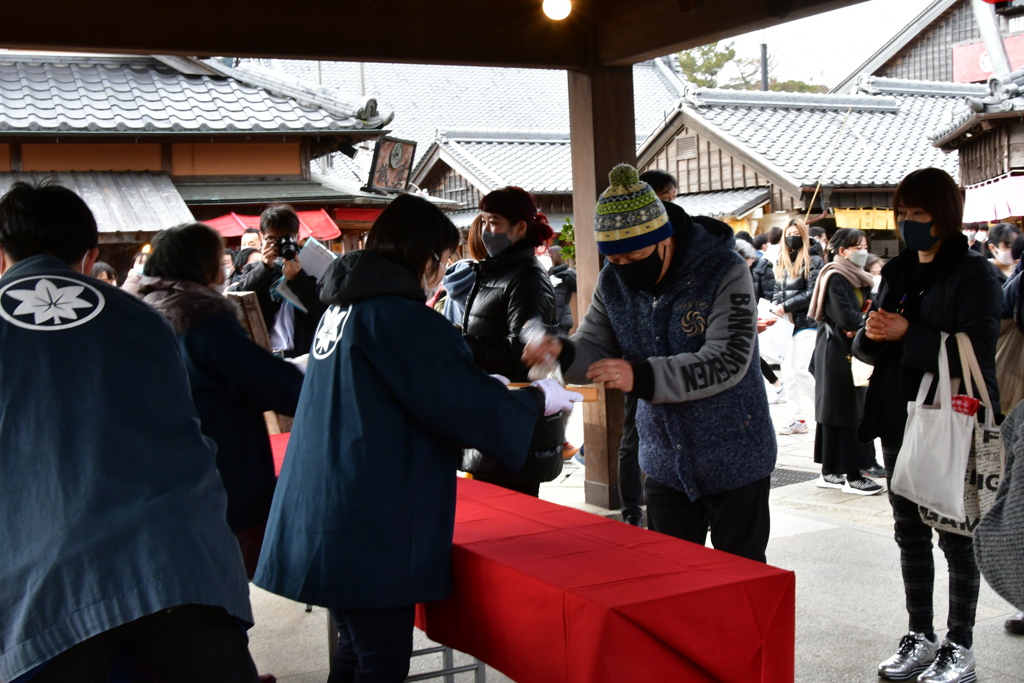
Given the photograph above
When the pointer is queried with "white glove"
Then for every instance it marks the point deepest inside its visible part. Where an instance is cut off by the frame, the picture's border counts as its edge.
(501, 378)
(556, 397)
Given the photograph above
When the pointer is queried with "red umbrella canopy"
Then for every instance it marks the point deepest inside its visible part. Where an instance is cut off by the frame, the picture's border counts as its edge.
(316, 223)
(233, 225)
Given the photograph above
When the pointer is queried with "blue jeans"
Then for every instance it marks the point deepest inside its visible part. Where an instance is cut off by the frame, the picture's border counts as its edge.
(374, 645)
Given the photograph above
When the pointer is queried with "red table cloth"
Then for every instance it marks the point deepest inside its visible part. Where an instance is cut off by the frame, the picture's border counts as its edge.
(545, 593)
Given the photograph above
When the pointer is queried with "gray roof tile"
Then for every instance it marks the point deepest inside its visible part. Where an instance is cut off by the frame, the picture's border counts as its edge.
(428, 98)
(121, 202)
(43, 93)
(879, 146)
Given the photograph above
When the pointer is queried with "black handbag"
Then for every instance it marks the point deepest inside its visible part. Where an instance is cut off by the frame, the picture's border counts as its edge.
(543, 461)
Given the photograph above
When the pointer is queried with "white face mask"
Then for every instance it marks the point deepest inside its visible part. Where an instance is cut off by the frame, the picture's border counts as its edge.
(981, 236)
(876, 282)
(429, 291)
(858, 258)
(1004, 256)
(970, 235)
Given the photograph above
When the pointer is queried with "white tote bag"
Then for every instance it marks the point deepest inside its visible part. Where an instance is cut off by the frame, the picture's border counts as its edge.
(936, 443)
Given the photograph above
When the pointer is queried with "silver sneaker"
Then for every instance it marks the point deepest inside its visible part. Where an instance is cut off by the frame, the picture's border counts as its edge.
(953, 664)
(914, 655)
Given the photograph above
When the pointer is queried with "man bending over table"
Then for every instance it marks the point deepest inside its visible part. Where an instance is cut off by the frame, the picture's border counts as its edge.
(673, 322)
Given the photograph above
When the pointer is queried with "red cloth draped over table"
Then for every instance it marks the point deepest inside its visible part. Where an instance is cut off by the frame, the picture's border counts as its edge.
(546, 593)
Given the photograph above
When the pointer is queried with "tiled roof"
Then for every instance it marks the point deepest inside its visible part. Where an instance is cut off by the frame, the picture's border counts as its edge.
(41, 93)
(1001, 97)
(120, 202)
(428, 98)
(792, 134)
(725, 202)
(539, 162)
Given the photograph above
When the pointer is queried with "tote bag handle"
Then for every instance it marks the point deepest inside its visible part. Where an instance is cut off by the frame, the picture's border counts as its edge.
(972, 371)
(944, 392)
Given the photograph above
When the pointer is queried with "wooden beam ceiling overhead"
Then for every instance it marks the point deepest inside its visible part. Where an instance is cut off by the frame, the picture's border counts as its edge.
(471, 32)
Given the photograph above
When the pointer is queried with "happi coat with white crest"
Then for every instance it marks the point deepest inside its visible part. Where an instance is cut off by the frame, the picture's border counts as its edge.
(364, 510)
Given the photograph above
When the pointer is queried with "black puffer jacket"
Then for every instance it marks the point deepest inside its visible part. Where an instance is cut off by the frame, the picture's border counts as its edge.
(956, 292)
(794, 293)
(763, 275)
(510, 290)
(564, 290)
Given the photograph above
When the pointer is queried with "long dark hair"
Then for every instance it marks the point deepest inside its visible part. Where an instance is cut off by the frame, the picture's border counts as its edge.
(190, 251)
(516, 204)
(411, 231)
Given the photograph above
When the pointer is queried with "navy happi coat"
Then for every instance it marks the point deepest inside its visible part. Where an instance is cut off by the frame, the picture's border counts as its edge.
(365, 507)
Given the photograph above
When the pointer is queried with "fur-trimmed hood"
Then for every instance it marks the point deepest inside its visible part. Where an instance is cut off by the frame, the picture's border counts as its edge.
(185, 304)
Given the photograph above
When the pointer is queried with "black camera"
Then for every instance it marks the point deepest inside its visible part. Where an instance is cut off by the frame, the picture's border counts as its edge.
(287, 248)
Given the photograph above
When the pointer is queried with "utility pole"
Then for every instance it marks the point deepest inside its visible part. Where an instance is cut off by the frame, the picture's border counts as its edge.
(764, 67)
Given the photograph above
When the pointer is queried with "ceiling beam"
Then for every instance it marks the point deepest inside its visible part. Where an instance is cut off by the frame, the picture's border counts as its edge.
(643, 30)
(491, 33)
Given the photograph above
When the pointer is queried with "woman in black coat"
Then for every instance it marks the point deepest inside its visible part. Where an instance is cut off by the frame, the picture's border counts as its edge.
(936, 284)
(233, 379)
(843, 289)
(511, 288)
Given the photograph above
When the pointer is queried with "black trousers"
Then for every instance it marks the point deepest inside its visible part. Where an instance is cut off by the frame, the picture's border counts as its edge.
(374, 645)
(914, 539)
(767, 372)
(186, 644)
(630, 488)
(739, 519)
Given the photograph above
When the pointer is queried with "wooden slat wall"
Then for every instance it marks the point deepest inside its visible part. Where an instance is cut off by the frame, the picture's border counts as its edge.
(985, 156)
(714, 169)
(451, 185)
(930, 56)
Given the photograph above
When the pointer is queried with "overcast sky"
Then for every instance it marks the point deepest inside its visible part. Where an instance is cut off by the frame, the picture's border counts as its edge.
(825, 48)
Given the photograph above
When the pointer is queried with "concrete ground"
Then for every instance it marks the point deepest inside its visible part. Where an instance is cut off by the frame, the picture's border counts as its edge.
(849, 605)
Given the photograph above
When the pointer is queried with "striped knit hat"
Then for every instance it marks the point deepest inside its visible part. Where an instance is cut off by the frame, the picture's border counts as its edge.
(629, 215)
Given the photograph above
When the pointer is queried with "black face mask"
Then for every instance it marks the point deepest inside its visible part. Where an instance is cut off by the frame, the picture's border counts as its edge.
(642, 274)
(794, 242)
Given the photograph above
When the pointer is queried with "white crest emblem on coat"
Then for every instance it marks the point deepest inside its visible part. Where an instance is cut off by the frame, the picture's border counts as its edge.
(50, 302)
(328, 332)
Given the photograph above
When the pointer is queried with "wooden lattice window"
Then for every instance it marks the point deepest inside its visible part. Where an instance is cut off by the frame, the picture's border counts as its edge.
(686, 147)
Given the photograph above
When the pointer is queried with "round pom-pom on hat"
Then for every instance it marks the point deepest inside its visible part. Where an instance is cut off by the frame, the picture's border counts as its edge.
(629, 215)
(623, 174)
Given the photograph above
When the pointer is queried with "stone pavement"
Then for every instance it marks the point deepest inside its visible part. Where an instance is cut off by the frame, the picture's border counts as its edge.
(849, 605)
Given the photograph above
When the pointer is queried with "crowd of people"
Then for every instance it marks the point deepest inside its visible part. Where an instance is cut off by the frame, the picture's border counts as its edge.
(139, 520)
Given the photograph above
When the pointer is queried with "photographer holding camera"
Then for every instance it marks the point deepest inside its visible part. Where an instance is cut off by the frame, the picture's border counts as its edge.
(291, 329)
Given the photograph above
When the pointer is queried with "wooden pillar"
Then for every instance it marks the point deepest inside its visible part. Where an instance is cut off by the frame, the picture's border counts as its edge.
(602, 134)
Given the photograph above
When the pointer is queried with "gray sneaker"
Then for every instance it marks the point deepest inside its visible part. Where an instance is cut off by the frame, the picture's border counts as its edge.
(953, 664)
(914, 655)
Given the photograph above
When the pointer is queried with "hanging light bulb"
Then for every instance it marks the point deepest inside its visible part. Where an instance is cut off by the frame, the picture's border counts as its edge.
(557, 9)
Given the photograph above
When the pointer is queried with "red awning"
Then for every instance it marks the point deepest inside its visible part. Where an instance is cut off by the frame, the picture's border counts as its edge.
(233, 225)
(316, 223)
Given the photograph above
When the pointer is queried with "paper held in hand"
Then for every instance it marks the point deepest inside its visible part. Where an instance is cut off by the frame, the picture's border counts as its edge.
(315, 258)
(774, 342)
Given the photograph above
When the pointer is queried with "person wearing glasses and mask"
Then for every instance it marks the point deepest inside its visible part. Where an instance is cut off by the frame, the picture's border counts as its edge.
(936, 284)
